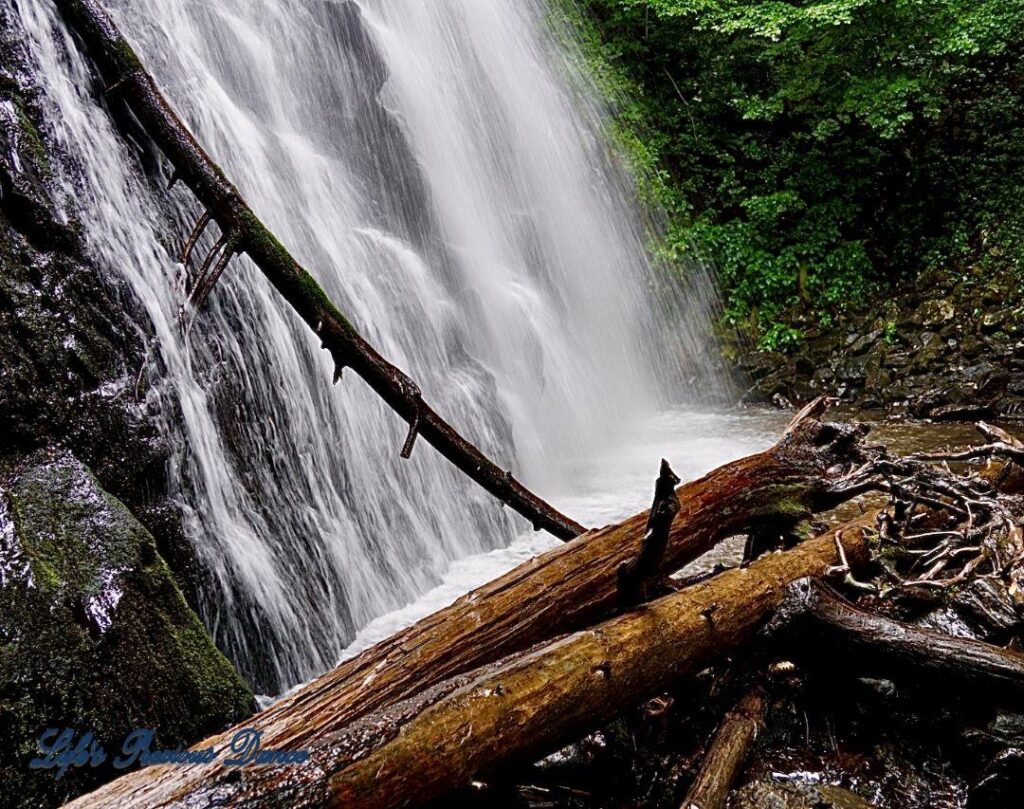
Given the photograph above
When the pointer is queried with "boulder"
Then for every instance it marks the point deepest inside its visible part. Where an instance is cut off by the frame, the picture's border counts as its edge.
(1000, 786)
(94, 633)
(934, 312)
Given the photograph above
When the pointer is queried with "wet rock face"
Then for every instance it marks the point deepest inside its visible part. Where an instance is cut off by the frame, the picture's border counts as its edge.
(69, 346)
(71, 343)
(946, 348)
(94, 633)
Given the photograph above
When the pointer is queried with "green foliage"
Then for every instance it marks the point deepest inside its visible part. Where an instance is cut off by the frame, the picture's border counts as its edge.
(818, 151)
(780, 337)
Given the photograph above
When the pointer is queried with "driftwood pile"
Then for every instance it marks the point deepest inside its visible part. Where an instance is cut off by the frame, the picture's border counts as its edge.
(590, 632)
(560, 647)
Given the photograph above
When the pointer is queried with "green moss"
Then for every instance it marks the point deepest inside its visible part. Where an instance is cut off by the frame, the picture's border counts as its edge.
(29, 139)
(125, 56)
(261, 240)
(33, 140)
(788, 501)
(96, 635)
(58, 547)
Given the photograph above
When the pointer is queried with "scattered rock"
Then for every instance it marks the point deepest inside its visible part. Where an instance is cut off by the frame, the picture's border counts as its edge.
(950, 359)
(991, 321)
(962, 411)
(934, 312)
(791, 795)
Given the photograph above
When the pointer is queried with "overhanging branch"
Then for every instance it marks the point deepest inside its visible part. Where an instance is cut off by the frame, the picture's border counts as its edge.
(193, 166)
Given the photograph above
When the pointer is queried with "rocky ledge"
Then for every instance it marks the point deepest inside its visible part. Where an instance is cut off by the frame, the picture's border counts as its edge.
(949, 347)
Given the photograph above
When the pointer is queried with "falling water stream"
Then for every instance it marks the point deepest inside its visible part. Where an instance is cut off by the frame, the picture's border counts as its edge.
(440, 168)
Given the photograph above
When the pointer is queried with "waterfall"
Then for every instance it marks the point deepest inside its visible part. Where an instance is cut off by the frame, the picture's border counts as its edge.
(441, 170)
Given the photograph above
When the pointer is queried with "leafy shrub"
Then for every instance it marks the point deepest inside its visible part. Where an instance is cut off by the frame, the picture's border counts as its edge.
(817, 151)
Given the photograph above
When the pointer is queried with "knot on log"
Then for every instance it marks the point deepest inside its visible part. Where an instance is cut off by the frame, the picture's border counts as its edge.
(796, 602)
(636, 576)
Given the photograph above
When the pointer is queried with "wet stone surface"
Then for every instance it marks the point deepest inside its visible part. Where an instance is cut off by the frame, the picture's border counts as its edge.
(94, 633)
(948, 347)
(72, 341)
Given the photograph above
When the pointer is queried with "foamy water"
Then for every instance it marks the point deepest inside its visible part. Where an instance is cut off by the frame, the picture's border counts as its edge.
(615, 487)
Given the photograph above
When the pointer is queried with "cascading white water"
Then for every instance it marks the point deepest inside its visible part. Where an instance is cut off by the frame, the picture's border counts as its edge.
(427, 161)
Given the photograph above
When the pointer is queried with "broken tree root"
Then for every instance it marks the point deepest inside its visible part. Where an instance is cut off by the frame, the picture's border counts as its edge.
(121, 66)
(228, 246)
(1001, 445)
(979, 526)
(639, 575)
(814, 620)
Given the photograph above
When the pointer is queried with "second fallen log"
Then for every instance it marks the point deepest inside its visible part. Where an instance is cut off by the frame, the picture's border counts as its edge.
(724, 759)
(812, 616)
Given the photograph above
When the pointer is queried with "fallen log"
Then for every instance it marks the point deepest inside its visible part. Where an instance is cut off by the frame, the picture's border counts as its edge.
(724, 759)
(524, 706)
(819, 621)
(559, 591)
(243, 232)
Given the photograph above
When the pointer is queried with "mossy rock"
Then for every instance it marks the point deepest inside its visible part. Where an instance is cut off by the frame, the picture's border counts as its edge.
(94, 633)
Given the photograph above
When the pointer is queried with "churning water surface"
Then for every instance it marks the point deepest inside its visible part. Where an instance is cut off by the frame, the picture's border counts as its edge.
(441, 169)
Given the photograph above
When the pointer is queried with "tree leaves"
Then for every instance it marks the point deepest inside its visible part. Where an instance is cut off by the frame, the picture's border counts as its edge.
(815, 150)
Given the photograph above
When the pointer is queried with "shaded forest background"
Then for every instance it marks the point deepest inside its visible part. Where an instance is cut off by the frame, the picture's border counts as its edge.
(821, 154)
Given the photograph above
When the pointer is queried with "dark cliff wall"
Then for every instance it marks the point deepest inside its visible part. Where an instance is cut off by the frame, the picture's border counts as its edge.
(94, 631)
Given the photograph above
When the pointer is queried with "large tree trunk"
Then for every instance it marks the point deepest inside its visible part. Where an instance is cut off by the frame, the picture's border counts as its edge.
(527, 705)
(559, 591)
(243, 232)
